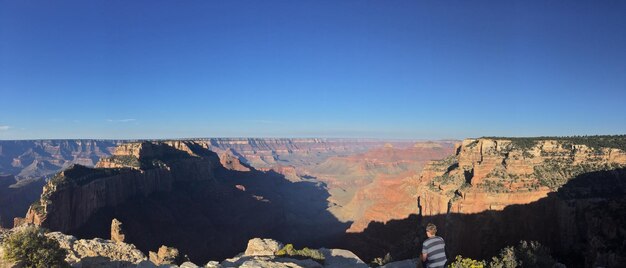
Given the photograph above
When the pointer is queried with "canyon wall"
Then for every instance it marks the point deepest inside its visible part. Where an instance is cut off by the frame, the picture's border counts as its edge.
(134, 170)
(568, 194)
(490, 174)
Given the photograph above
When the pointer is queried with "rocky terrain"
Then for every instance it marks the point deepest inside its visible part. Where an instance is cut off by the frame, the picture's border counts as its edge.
(258, 252)
(566, 194)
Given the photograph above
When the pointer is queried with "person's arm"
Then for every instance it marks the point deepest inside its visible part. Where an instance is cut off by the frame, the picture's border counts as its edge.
(424, 256)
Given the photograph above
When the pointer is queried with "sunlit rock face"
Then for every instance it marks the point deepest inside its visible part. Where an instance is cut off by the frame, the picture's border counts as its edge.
(490, 174)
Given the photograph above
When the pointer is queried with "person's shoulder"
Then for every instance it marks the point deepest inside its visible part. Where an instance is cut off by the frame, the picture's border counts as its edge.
(430, 240)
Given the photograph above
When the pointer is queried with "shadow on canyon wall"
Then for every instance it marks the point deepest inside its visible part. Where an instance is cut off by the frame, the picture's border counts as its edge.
(16, 197)
(214, 219)
(583, 224)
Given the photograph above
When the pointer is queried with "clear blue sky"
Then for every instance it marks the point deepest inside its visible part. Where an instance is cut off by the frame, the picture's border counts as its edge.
(382, 69)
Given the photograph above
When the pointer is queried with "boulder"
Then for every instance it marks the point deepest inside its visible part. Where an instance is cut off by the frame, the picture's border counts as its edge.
(165, 255)
(262, 247)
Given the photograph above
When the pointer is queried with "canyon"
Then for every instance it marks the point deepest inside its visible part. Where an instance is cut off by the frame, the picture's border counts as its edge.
(370, 197)
(150, 185)
(25, 165)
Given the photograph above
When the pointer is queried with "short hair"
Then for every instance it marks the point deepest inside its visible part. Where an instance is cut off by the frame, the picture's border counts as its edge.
(431, 228)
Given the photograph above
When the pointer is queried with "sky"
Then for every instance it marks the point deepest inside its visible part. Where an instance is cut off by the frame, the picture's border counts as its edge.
(349, 69)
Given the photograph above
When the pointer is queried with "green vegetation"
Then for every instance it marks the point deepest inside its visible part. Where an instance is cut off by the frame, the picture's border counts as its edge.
(82, 175)
(126, 160)
(447, 162)
(305, 253)
(494, 187)
(472, 144)
(594, 142)
(31, 248)
(554, 174)
(460, 262)
(37, 206)
(501, 174)
(446, 178)
(524, 255)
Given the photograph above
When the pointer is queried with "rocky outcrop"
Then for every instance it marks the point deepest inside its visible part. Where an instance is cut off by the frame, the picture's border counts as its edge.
(490, 174)
(91, 252)
(135, 170)
(262, 253)
(262, 247)
(165, 255)
(117, 234)
(259, 253)
(230, 160)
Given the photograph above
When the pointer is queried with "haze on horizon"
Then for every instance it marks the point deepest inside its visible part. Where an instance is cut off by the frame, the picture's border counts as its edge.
(362, 69)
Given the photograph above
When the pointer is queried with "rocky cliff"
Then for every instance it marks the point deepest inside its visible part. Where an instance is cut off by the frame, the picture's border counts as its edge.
(490, 174)
(134, 170)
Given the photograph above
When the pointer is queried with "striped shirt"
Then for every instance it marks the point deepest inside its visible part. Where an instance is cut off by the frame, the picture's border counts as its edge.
(435, 250)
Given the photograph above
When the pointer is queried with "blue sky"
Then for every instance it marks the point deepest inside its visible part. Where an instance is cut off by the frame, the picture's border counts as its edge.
(381, 69)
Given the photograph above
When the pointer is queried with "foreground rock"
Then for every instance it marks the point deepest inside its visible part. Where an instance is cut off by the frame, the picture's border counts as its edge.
(98, 252)
(165, 255)
(259, 253)
(263, 253)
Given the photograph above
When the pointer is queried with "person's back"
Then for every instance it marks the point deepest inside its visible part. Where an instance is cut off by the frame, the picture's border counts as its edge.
(433, 249)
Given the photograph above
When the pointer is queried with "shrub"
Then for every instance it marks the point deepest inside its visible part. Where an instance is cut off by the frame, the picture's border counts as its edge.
(525, 255)
(506, 259)
(460, 262)
(31, 248)
(305, 253)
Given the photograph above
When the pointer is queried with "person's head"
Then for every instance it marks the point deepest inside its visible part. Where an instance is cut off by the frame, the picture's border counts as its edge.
(431, 230)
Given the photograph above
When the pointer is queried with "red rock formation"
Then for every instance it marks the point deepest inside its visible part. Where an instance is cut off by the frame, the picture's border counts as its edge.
(490, 174)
